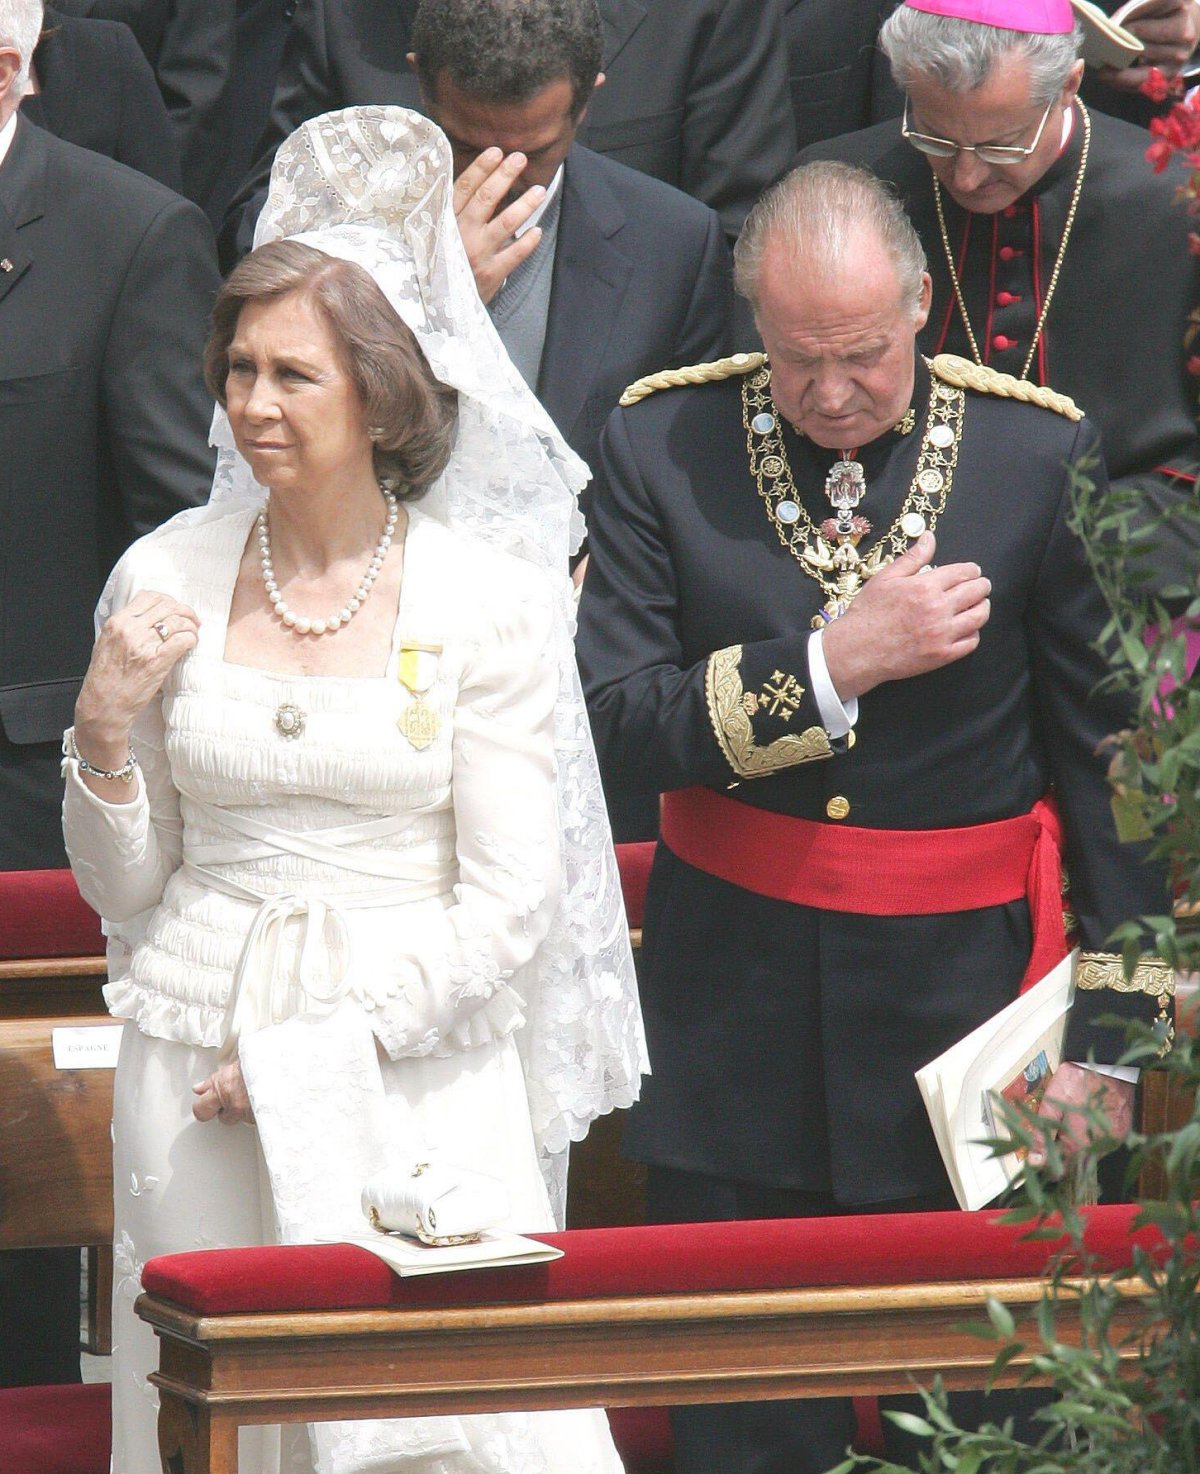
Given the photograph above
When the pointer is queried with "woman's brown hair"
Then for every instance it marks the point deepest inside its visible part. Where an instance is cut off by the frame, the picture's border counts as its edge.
(412, 415)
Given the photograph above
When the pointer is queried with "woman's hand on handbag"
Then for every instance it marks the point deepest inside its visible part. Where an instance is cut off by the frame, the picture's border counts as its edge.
(223, 1096)
(133, 656)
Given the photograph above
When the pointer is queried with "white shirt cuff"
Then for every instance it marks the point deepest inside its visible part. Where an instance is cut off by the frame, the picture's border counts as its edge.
(836, 718)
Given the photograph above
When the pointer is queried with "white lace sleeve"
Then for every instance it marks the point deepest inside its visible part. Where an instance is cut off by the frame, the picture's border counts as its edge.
(503, 791)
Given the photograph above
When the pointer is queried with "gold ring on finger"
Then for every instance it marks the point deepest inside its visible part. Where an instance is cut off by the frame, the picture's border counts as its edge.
(160, 628)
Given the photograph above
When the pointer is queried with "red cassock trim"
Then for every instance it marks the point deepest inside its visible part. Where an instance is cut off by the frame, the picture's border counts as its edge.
(879, 872)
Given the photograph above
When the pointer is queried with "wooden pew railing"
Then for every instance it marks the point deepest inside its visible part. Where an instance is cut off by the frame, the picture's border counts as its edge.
(630, 1317)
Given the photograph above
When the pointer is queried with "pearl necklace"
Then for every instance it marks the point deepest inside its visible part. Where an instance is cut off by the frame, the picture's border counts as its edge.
(298, 622)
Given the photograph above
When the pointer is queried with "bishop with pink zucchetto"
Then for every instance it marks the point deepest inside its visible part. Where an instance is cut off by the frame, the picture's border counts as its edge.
(1057, 254)
(1035, 17)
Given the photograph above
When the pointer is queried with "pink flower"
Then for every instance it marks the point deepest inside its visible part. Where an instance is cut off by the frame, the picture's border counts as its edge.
(1159, 154)
(1156, 87)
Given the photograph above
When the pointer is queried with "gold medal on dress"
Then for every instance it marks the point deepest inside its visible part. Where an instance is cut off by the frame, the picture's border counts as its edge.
(419, 723)
(417, 670)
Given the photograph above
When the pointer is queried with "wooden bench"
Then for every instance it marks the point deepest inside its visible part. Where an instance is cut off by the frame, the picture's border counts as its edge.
(55, 1125)
(629, 1317)
(635, 1344)
(55, 1150)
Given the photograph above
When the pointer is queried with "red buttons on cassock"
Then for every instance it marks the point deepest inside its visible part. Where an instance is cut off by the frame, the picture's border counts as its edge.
(1010, 211)
(1000, 342)
(1008, 253)
(1006, 299)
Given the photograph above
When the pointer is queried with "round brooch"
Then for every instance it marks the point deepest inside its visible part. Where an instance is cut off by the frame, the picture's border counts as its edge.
(289, 720)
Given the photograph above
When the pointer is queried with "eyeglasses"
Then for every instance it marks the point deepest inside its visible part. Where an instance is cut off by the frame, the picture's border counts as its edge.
(986, 153)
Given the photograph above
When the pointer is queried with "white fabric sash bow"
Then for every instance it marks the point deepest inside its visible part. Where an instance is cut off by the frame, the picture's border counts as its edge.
(262, 992)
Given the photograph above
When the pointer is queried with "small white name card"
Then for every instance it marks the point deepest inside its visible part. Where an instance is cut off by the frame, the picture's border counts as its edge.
(92, 1047)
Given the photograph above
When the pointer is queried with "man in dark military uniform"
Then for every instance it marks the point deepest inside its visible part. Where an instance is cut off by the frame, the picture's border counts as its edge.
(1057, 253)
(858, 865)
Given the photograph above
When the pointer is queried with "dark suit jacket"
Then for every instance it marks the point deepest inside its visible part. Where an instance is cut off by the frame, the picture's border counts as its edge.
(621, 306)
(783, 1038)
(696, 93)
(839, 81)
(97, 90)
(106, 281)
(190, 46)
(262, 30)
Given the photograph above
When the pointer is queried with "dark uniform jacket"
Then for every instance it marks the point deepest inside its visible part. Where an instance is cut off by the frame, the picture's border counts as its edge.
(1114, 337)
(96, 89)
(106, 283)
(783, 1040)
(695, 93)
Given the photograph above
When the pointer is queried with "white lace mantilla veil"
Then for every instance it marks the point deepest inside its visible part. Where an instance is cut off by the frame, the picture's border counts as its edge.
(374, 185)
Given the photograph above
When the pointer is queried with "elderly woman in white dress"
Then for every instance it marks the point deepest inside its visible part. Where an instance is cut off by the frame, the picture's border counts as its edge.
(331, 788)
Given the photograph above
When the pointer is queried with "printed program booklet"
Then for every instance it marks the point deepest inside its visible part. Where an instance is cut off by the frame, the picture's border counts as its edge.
(1010, 1057)
(1106, 42)
(408, 1256)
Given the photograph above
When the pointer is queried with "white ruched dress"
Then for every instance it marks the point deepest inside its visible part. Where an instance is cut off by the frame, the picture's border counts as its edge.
(265, 875)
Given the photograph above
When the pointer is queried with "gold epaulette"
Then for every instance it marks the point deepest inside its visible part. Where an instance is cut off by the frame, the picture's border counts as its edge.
(699, 373)
(964, 374)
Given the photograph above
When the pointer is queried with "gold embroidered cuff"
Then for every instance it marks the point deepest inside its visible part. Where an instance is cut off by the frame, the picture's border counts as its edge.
(734, 731)
(1152, 976)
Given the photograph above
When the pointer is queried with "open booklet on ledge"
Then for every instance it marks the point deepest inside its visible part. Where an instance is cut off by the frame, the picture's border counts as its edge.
(408, 1256)
(1011, 1056)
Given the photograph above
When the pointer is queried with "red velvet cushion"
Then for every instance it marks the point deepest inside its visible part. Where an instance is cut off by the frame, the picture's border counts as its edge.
(663, 1259)
(634, 862)
(56, 1430)
(42, 914)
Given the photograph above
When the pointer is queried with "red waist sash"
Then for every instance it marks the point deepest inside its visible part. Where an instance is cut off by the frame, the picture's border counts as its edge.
(879, 872)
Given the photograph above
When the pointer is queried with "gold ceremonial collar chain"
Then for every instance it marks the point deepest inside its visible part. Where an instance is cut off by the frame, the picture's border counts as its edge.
(1058, 260)
(827, 555)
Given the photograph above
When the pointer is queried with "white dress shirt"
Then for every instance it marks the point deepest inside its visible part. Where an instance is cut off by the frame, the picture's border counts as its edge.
(6, 136)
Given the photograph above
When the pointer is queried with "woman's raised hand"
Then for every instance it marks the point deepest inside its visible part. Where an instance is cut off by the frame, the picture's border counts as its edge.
(133, 656)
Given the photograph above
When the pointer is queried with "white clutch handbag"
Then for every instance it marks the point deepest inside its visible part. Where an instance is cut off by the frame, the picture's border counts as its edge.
(435, 1202)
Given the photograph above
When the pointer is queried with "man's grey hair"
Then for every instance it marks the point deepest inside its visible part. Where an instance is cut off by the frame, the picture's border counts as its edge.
(20, 27)
(960, 54)
(506, 51)
(819, 212)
